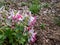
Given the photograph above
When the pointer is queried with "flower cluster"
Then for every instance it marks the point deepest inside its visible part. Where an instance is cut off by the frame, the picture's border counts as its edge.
(19, 20)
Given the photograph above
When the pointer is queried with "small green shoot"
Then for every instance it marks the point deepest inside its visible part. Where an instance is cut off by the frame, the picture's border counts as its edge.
(42, 26)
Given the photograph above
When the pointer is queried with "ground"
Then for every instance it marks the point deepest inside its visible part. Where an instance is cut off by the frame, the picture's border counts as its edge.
(50, 35)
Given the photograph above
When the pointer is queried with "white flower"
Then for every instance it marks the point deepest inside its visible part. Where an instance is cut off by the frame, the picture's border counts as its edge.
(32, 21)
(32, 37)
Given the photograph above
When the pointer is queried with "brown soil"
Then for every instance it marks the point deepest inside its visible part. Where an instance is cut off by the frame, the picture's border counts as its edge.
(51, 34)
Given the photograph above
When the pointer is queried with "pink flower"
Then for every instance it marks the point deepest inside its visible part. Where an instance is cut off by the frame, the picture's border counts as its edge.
(17, 17)
(33, 35)
(14, 17)
(32, 21)
(33, 38)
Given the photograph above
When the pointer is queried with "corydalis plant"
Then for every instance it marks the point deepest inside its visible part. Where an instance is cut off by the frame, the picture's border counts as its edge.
(19, 27)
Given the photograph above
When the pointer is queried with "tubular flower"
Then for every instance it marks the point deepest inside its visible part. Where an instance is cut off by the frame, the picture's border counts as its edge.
(32, 39)
(32, 21)
(17, 17)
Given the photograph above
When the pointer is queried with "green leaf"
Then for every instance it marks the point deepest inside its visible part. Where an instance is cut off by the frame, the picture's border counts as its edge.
(1, 36)
(11, 40)
(42, 26)
(34, 8)
(1, 4)
(22, 41)
(20, 27)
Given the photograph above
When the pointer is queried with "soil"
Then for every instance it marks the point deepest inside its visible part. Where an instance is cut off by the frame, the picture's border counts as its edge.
(51, 34)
